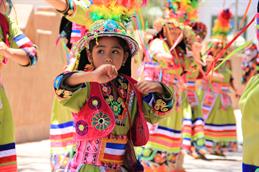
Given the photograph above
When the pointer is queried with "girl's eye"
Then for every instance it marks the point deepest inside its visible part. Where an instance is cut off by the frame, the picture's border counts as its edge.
(100, 51)
(115, 52)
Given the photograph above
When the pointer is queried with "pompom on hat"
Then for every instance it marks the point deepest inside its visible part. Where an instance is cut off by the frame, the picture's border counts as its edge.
(222, 25)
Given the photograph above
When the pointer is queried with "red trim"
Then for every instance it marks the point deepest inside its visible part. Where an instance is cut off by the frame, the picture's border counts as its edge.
(8, 159)
(113, 157)
(61, 136)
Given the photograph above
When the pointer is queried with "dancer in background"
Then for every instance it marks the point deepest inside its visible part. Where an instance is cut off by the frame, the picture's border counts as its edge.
(168, 52)
(193, 123)
(15, 46)
(218, 113)
(62, 129)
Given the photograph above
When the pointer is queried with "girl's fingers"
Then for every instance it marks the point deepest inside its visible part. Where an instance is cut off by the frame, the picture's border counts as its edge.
(144, 87)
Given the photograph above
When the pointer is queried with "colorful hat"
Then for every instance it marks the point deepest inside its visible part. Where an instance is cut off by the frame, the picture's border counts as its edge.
(106, 18)
(111, 18)
(222, 25)
(220, 31)
(108, 28)
(184, 11)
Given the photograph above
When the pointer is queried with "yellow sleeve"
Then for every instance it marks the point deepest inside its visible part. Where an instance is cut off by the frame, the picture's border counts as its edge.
(14, 31)
(80, 12)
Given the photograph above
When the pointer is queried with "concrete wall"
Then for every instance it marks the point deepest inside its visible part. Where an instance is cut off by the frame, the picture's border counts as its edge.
(30, 90)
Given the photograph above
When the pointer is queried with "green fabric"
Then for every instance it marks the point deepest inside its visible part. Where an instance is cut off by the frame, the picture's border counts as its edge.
(249, 103)
(75, 102)
(80, 12)
(79, 97)
(59, 113)
(6, 120)
(221, 116)
(14, 31)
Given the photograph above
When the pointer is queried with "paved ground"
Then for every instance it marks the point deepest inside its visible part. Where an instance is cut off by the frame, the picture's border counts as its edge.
(34, 157)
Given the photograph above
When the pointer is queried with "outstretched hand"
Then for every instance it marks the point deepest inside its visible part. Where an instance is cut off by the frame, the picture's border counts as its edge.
(105, 73)
(3, 49)
(146, 87)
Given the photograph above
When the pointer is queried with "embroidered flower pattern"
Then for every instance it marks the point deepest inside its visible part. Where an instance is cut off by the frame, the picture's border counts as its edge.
(101, 121)
(81, 127)
(106, 90)
(160, 105)
(116, 107)
(94, 102)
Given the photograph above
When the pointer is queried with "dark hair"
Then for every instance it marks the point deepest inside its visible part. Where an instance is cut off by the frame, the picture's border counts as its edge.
(160, 35)
(125, 69)
(65, 30)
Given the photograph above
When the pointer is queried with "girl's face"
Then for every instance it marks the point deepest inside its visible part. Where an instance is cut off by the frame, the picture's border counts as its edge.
(108, 50)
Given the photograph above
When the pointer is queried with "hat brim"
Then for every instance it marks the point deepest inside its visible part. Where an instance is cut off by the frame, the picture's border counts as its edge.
(133, 45)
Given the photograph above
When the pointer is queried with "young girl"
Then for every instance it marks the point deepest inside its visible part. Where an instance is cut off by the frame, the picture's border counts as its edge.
(14, 45)
(103, 97)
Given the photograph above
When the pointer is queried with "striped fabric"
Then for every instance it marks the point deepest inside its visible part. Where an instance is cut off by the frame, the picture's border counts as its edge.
(61, 137)
(22, 41)
(187, 133)
(208, 102)
(8, 158)
(192, 130)
(113, 151)
(198, 128)
(217, 133)
(166, 139)
(25, 43)
(77, 32)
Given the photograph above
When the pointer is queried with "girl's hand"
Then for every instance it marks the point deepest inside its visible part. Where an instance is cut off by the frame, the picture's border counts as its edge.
(3, 49)
(105, 73)
(146, 87)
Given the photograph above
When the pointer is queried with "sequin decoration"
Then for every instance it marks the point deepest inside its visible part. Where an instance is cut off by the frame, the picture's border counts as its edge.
(94, 102)
(81, 127)
(116, 107)
(101, 121)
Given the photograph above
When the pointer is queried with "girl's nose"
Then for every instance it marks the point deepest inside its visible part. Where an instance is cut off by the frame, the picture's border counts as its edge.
(108, 60)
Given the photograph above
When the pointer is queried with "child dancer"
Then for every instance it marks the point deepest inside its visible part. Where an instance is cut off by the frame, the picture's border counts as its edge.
(168, 51)
(106, 101)
(218, 113)
(193, 123)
